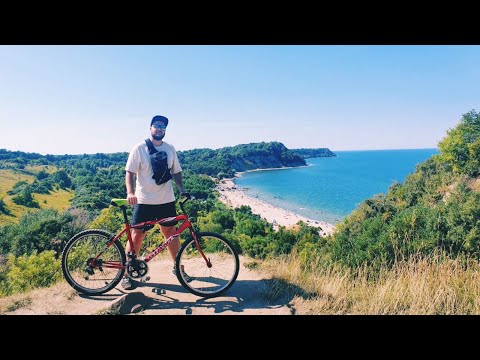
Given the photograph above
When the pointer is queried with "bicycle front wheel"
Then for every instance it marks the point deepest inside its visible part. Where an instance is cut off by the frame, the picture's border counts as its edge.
(212, 273)
(88, 276)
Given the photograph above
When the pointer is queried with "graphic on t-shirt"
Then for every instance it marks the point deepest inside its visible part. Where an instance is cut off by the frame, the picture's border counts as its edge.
(161, 172)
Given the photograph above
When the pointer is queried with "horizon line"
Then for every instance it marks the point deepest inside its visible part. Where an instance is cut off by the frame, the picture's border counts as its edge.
(426, 148)
(117, 152)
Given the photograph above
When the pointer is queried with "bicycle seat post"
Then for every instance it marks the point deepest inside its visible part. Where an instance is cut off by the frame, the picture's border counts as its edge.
(124, 212)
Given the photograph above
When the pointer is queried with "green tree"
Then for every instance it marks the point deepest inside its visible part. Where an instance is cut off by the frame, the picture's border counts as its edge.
(461, 147)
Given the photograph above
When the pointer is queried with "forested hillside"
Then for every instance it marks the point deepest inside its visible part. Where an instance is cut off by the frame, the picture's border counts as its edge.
(436, 209)
(94, 179)
(313, 153)
(226, 161)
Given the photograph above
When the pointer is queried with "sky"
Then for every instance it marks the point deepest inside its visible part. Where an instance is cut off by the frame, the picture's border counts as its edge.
(81, 99)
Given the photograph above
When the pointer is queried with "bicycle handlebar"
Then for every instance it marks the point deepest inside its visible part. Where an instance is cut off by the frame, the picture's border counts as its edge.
(187, 197)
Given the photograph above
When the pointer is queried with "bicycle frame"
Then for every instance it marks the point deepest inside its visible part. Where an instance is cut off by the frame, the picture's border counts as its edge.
(127, 229)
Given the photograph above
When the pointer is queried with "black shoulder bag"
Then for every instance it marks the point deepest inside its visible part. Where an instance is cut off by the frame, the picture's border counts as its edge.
(159, 161)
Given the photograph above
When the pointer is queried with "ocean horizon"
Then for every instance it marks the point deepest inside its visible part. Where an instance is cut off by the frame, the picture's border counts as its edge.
(330, 188)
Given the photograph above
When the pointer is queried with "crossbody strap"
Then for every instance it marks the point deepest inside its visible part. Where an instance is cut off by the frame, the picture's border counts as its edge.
(151, 148)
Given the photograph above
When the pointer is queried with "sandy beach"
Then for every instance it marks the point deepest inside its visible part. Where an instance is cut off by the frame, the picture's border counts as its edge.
(234, 197)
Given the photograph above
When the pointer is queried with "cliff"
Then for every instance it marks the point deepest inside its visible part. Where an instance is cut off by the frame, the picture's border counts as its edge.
(228, 160)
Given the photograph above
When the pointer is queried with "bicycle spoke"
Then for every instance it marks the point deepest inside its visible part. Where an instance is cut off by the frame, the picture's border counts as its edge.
(224, 265)
(77, 258)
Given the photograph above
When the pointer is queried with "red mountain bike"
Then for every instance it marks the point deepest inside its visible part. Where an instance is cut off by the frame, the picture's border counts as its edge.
(94, 261)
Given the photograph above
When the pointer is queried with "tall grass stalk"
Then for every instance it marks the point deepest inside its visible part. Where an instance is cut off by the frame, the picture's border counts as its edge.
(421, 286)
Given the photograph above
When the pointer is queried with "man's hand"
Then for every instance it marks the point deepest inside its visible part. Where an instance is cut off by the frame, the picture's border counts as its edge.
(132, 199)
(185, 194)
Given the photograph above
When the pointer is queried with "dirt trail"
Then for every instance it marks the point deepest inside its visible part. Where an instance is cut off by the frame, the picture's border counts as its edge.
(247, 296)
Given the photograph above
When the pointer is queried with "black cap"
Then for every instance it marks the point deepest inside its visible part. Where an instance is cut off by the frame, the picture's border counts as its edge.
(159, 118)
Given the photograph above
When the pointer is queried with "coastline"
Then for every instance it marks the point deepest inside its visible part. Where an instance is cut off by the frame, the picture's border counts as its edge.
(240, 173)
(233, 197)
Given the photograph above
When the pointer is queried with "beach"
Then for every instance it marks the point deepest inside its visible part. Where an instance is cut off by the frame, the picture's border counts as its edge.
(234, 197)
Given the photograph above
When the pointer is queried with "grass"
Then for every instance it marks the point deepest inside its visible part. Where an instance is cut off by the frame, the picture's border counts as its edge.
(8, 178)
(108, 312)
(252, 265)
(17, 304)
(59, 199)
(422, 286)
(37, 168)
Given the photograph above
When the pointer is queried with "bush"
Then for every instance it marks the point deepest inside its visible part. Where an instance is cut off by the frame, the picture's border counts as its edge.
(25, 198)
(34, 271)
(3, 208)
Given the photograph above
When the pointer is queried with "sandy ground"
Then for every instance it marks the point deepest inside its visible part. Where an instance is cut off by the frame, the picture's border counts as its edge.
(162, 295)
(234, 197)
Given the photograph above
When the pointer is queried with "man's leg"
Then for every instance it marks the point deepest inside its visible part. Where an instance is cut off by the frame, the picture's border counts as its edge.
(173, 249)
(168, 231)
(137, 238)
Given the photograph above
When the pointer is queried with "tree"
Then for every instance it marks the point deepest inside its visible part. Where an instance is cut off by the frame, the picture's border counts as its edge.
(461, 147)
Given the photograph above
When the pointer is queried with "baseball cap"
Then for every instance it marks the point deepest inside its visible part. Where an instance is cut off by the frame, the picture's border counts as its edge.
(159, 118)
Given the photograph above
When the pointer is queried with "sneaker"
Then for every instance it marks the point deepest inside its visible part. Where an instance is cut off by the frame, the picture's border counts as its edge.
(184, 274)
(127, 283)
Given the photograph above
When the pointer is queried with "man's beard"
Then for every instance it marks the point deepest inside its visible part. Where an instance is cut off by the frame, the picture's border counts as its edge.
(158, 137)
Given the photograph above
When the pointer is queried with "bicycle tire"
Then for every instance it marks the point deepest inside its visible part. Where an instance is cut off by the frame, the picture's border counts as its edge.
(224, 259)
(79, 249)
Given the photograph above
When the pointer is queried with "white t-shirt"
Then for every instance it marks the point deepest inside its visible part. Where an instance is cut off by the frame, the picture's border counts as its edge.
(146, 190)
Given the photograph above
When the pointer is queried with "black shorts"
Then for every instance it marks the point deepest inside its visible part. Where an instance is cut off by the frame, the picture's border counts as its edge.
(144, 212)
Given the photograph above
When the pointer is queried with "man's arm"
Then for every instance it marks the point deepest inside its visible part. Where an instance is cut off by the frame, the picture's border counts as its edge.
(178, 180)
(131, 198)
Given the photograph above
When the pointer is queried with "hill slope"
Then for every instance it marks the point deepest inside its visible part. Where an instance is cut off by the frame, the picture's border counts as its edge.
(437, 208)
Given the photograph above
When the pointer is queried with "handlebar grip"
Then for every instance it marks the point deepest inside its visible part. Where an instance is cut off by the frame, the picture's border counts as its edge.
(186, 195)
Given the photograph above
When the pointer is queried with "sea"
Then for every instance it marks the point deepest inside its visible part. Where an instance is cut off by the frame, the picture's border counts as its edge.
(330, 188)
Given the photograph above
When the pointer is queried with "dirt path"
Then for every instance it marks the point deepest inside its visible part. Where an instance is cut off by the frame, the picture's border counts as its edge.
(247, 296)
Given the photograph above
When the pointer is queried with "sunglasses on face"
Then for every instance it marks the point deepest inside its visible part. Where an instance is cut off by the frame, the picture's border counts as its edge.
(159, 126)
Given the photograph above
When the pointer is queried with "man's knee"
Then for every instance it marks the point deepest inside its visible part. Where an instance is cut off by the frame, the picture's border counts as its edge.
(138, 234)
(168, 230)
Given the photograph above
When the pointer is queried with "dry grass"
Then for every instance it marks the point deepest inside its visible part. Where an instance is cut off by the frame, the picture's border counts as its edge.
(49, 169)
(59, 199)
(18, 303)
(8, 178)
(421, 286)
(474, 184)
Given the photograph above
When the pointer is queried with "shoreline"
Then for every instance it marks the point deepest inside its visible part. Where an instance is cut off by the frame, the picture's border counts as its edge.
(233, 197)
(240, 173)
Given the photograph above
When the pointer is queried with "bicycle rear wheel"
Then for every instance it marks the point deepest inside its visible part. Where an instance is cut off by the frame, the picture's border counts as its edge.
(78, 270)
(207, 278)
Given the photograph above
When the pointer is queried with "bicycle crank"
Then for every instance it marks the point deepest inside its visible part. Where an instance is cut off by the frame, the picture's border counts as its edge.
(137, 269)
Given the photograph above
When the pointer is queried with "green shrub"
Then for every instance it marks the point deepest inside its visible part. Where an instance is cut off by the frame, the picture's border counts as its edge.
(34, 271)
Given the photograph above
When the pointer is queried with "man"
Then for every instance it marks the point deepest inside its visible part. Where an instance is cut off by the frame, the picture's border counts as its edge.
(153, 196)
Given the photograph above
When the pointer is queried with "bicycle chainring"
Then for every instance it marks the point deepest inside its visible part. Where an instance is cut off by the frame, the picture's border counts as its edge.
(137, 269)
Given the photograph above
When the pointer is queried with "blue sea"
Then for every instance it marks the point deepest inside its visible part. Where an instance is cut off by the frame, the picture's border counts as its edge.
(329, 189)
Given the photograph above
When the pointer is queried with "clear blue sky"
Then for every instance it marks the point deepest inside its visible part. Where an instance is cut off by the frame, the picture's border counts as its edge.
(89, 99)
